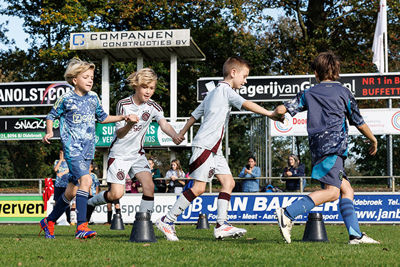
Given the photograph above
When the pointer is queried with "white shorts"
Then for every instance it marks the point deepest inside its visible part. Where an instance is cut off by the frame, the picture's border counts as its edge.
(204, 164)
(119, 168)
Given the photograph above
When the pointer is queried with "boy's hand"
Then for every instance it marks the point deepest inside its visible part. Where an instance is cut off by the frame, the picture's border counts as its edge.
(373, 148)
(47, 137)
(277, 117)
(278, 114)
(132, 119)
(178, 138)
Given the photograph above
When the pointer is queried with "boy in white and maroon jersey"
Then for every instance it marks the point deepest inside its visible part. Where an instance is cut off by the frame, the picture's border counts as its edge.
(207, 159)
(127, 155)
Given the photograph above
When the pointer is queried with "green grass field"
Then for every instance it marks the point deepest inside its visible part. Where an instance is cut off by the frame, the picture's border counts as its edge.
(262, 246)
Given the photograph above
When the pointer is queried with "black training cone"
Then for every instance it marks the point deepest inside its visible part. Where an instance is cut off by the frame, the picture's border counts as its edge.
(117, 223)
(315, 229)
(202, 222)
(142, 230)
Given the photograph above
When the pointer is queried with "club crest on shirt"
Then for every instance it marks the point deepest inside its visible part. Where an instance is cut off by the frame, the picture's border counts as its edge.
(145, 115)
(121, 175)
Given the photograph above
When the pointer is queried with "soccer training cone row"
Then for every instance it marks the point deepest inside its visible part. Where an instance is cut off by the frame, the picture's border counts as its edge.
(315, 229)
(202, 222)
(142, 230)
(117, 223)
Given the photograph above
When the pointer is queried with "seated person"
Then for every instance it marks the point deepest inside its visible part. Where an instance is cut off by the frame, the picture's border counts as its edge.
(294, 169)
(250, 171)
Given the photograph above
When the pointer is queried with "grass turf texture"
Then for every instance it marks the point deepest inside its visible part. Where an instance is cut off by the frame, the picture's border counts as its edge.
(262, 245)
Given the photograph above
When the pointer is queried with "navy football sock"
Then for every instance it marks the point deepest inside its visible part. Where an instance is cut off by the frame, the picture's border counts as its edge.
(60, 207)
(303, 205)
(349, 216)
(109, 215)
(81, 206)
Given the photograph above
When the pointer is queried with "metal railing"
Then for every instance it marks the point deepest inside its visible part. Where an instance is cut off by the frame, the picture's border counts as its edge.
(392, 180)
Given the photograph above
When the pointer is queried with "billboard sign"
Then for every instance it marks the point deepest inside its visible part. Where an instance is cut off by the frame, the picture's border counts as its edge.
(282, 88)
(380, 121)
(129, 39)
(259, 208)
(30, 94)
(154, 137)
(21, 208)
(25, 127)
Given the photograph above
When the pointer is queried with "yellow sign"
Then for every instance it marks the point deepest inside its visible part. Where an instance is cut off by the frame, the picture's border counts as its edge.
(21, 208)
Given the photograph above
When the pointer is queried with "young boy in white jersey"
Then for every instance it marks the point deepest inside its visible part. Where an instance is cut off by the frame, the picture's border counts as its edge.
(207, 159)
(77, 110)
(127, 155)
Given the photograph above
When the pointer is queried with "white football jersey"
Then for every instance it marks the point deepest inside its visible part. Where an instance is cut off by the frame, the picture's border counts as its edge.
(215, 108)
(131, 144)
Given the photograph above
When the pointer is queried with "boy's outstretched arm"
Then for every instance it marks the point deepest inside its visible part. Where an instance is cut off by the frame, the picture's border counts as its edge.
(366, 131)
(187, 126)
(277, 115)
(116, 118)
(170, 131)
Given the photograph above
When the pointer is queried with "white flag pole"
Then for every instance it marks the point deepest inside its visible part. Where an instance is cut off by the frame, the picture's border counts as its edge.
(386, 46)
(386, 43)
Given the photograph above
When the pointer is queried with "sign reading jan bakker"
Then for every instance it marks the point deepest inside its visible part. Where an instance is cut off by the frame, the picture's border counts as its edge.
(282, 88)
(29, 94)
(129, 39)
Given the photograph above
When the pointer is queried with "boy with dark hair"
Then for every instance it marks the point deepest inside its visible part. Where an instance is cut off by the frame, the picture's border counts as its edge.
(328, 104)
(207, 159)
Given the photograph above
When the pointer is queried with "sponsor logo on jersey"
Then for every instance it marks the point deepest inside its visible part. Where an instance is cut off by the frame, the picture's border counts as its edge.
(145, 115)
(137, 128)
(79, 118)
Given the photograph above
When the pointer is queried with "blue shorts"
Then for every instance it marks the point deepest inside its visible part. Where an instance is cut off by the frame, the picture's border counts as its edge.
(330, 170)
(78, 167)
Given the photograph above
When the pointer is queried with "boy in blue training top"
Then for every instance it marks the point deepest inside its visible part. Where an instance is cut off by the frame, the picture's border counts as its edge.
(328, 104)
(77, 109)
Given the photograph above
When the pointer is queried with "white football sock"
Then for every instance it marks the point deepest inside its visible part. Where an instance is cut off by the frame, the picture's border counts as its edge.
(146, 206)
(179, 207)
(222, 210)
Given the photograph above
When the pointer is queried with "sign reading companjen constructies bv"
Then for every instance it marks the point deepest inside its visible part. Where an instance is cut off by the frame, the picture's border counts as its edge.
(129, 39)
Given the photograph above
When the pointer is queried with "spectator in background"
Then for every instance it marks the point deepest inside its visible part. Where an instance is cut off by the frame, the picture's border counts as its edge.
(62, 176)
(294, 169)
(189, 183)
(159, 185)
(176, 172)
(250, 171)
(132, 185)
